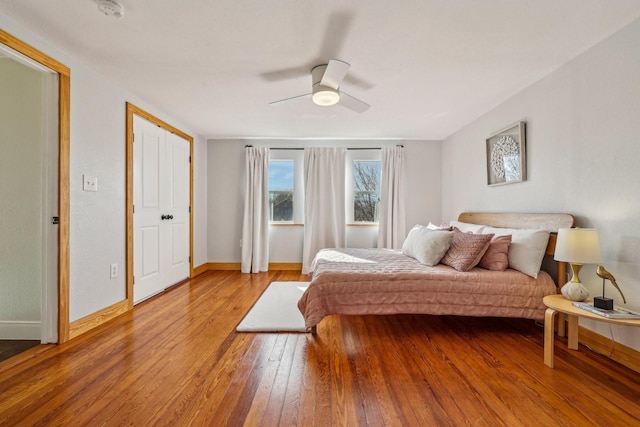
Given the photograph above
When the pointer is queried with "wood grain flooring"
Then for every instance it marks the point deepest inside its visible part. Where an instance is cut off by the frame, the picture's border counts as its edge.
(176, 360)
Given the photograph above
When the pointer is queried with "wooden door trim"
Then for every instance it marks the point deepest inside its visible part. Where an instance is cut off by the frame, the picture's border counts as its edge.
(64, 102)
(131, 110)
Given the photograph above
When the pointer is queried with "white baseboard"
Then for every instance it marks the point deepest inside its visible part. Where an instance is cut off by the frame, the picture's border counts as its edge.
(19, 330)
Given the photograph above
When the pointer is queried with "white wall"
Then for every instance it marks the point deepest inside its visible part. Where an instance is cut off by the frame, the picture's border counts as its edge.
(200, 215)
(583, 146)
(97, 223)
(226, 189)
(21, 209)
(225, 186)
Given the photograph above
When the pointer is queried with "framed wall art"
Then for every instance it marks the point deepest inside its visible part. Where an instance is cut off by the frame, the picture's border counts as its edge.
(506, 156)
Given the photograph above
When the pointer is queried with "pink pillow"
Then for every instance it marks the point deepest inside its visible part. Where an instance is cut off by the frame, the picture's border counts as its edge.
(466, 250)
(496, 256)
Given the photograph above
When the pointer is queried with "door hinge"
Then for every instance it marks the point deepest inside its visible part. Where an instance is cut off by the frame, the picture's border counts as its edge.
(189, 259)
(189, 159)
(56, 219)
(189, 209)
(134, 280)
(134, 208)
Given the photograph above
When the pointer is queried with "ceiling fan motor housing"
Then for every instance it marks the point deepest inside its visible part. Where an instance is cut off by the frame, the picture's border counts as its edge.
(320, 94)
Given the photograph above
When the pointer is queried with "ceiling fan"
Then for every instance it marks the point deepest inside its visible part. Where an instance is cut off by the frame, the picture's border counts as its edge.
(327, 77)
(325, 87)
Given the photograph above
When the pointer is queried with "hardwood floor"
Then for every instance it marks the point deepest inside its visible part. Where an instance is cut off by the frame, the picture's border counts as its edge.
(177, 360)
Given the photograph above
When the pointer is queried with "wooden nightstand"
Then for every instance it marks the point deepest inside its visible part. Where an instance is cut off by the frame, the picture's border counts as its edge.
(559, 304)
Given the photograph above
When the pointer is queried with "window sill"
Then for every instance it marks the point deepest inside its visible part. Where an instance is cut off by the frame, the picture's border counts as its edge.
(363, 224)
(285, 224)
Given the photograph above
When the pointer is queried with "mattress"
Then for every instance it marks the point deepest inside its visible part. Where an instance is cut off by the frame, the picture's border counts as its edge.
(384, 281)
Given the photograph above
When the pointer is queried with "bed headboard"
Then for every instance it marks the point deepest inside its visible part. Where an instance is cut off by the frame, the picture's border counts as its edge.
(548, 221)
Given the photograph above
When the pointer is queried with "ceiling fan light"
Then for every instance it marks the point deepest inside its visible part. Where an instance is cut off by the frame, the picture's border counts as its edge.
(325, 98)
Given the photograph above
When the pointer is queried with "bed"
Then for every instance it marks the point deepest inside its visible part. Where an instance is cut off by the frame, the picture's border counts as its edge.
(353, 281)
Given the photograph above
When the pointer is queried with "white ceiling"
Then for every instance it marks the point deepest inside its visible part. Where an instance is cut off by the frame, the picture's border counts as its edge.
(427, 67)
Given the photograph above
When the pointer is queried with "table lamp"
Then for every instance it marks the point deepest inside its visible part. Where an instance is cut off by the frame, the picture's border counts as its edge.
(577, 246)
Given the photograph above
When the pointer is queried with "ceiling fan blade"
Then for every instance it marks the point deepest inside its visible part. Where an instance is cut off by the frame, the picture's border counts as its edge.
(352, 103)
(355, 80)
(284, 74)
(334, 74)
(335, 35)
(289, 99)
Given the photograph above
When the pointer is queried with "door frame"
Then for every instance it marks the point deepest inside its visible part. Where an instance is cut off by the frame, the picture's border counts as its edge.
(64, 102)
(131, 110)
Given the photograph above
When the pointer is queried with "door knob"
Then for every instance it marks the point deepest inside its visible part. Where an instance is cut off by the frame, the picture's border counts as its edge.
(163, 217)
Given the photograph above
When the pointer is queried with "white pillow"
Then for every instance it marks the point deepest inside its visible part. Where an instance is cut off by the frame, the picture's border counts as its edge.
(427, 246)
(467, 227)
(527, 248)
(432, 226)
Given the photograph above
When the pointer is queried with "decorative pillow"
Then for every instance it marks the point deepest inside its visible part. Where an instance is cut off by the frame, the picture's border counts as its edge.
(496, 257)
(427, 246)
(526, 250)
(467, 227)
(466, 250)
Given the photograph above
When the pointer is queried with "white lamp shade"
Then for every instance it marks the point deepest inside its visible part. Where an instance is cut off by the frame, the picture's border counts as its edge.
(578, 246)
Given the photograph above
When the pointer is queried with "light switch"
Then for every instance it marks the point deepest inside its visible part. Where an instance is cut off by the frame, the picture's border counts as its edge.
(89, 183)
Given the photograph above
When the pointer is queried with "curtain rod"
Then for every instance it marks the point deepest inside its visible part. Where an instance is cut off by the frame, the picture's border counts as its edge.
(349, 148)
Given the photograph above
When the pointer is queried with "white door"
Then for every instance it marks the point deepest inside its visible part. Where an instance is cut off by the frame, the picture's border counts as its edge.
(161, 209)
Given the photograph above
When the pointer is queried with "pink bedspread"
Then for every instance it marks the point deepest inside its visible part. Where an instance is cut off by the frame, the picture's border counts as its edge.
(384, 281)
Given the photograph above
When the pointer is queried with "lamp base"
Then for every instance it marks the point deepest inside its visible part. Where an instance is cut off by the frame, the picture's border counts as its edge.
(603, 303)
(574, 291)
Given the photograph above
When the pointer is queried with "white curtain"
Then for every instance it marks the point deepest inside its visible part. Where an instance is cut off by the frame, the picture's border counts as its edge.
(255, 227)
(324, 210)
(391, 230)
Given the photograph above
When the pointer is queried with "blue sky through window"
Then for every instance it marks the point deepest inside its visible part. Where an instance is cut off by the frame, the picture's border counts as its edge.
(280, 175)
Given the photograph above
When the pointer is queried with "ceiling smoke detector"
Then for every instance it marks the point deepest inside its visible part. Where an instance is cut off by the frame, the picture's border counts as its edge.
(111, 8)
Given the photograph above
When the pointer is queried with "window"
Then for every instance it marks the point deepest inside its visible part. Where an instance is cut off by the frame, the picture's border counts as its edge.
(281, 190)
(366, 190)
(286, 186)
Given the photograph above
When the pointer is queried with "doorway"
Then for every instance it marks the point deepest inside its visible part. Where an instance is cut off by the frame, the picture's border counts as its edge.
(37, 249)
(159, 205)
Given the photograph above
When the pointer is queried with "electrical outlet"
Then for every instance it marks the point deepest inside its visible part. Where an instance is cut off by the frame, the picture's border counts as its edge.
(114, 271)
(89, 183)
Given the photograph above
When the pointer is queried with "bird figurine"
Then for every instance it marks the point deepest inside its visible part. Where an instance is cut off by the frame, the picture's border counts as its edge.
(602, 272)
